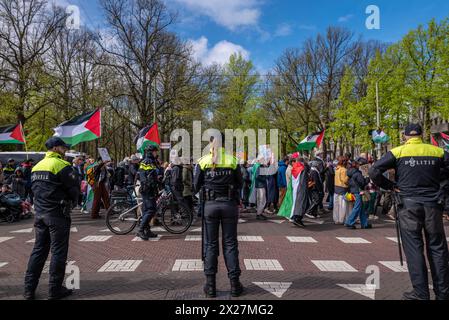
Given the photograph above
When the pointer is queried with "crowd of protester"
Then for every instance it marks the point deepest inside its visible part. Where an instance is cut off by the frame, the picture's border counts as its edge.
(342, 184)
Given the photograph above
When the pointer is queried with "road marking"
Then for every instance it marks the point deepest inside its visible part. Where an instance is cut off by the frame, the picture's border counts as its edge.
(196, 230)
(74, 229)
(2, 264)
(276, 288)
(368, 291)
(137, 239)
(395, 266)
(242, 221)
(29, 230)
(95, 238)
(394, 239)
(188, 265)
(31, 241)
(120, 266)
(263, 265)
(277, 221)
(250, 239)
(302, 240)
(193, 238)
(107, 230)
(158, 229)
(353, 240)
(316, 221)
(46, 268)
(333, 266)
(4, 239)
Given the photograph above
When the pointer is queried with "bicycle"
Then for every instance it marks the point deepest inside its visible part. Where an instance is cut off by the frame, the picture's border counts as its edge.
(123, 216)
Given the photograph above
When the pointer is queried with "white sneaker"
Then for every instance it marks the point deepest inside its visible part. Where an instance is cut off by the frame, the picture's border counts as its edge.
(310, 216)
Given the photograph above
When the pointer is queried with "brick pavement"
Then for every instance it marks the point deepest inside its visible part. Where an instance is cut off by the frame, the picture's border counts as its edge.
(279, 261)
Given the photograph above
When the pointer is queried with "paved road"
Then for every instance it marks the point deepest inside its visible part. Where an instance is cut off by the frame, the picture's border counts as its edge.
(279, 261)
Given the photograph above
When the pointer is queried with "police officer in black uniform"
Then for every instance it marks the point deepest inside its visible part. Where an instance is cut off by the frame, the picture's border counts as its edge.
(220, 183)
(148, 176)
(56, 189)
(418, 171)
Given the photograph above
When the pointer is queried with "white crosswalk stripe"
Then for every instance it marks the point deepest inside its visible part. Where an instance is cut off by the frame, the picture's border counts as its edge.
(250, 239)
(137, 239)
(394, 266)
(394, 239)
(2, 264)
(4, 239)
(333, 266)
(31, 241)
(95, 238)
(120, 266)
(188, 265)
(353, 240)
(193, 238)
(46, 268)
(277, 221)
(29, 230)
(302, 240)
(263, 265)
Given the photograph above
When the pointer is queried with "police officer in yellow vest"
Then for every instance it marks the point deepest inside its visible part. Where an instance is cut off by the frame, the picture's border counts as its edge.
(56, 189)
(418, 171)
(219, 178)
(149, 190)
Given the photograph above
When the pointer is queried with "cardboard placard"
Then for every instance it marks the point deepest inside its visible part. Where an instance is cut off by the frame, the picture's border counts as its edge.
(104, 154)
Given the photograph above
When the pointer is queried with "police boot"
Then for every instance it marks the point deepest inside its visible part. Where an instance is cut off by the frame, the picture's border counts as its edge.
(412, 296)
(60, 294)
(236, 288)
(210, 288)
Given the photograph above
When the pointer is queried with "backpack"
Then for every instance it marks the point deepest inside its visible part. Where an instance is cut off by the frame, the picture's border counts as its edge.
(119, 177)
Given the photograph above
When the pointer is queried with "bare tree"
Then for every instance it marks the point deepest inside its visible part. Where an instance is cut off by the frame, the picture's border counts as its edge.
(27, 29)
(136, 49)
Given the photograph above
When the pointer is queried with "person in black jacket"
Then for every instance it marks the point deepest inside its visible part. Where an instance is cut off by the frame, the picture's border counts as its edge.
(316, 190)
(56, 190)
(357, 184)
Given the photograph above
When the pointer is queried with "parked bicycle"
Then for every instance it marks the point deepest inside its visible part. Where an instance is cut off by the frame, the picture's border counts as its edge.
(125, 214)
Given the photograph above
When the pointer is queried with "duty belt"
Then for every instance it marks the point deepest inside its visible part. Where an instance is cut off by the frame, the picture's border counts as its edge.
(219, 195)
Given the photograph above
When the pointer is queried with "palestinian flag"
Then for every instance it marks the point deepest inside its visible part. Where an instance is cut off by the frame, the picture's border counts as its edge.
(288, 205)
(434, 141)
(380, 137)
(148, 136)
(12, 134)
(86, 127)
(445, 139)
(311, 142)
(252, 189)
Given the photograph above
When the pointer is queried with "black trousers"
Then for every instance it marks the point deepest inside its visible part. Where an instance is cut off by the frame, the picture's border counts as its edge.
(425, 221)
(149, 210)
(226, 214)
(315, 200)
(52, 234)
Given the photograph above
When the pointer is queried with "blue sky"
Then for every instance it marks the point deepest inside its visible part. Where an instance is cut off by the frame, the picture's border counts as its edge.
(263, 29)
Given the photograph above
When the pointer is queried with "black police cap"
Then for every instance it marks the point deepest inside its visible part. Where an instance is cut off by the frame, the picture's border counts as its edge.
(56, 142)
(413, 130)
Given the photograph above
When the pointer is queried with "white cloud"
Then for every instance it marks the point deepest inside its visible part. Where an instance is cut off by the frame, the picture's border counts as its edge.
(283, 30)
(219, 53)
(228, 13)
(345, 18)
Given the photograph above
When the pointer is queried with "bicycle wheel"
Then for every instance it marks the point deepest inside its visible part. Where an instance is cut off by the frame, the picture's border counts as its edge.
(176, 218)
(119, 223)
